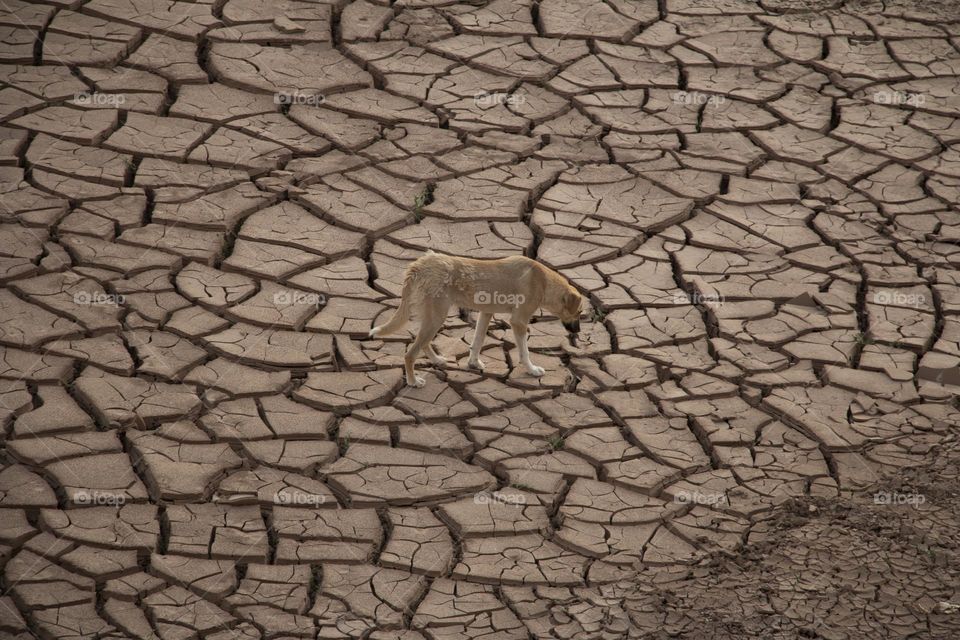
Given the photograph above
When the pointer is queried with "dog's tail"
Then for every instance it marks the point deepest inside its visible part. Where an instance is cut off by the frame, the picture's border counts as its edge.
(401, 316)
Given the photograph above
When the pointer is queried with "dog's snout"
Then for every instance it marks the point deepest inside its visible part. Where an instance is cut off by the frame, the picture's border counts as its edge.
(572, 327)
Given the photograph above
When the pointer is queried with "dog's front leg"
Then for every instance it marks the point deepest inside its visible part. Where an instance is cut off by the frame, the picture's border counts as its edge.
(520, 337)
(483, 321)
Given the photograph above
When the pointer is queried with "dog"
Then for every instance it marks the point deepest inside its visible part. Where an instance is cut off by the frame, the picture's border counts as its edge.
(516, 285)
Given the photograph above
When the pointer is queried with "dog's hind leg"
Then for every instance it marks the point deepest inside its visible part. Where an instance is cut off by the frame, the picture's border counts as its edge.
(520, 337)
(483, 321)
(437, 359)
(433, 316)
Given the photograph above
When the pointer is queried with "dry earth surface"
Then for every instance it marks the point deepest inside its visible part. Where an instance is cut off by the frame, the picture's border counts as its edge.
(207, 205)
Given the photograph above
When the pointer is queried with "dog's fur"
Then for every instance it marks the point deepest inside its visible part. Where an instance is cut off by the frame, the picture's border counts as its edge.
(434, 282)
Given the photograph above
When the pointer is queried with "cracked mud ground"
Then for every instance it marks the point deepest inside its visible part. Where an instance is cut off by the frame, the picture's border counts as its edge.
(207, 205)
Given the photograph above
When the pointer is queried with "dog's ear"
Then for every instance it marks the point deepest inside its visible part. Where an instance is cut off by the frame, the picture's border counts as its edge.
(571, 301)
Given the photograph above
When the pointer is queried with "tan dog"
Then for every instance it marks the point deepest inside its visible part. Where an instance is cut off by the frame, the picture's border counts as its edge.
(516, 285)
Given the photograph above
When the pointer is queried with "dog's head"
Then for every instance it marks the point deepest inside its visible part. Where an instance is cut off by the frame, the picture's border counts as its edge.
(569, 311)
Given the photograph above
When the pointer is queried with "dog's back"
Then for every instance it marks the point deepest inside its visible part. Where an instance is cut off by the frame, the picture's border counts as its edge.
(455, 280)
(430, 275)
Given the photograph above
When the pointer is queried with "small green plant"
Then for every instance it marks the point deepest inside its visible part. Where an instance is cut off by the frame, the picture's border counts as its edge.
(344, 444)
(598, 315)
(419, 202)
(521, 486)
(556, 442)
(863, 339)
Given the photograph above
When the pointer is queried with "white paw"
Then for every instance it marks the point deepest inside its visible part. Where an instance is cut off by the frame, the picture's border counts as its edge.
(373, 332)
(535, 371)
(476, 364)
(416, 382)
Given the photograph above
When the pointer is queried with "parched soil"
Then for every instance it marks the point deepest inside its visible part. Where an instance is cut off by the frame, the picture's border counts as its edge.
(853, 567)
(206, 206)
